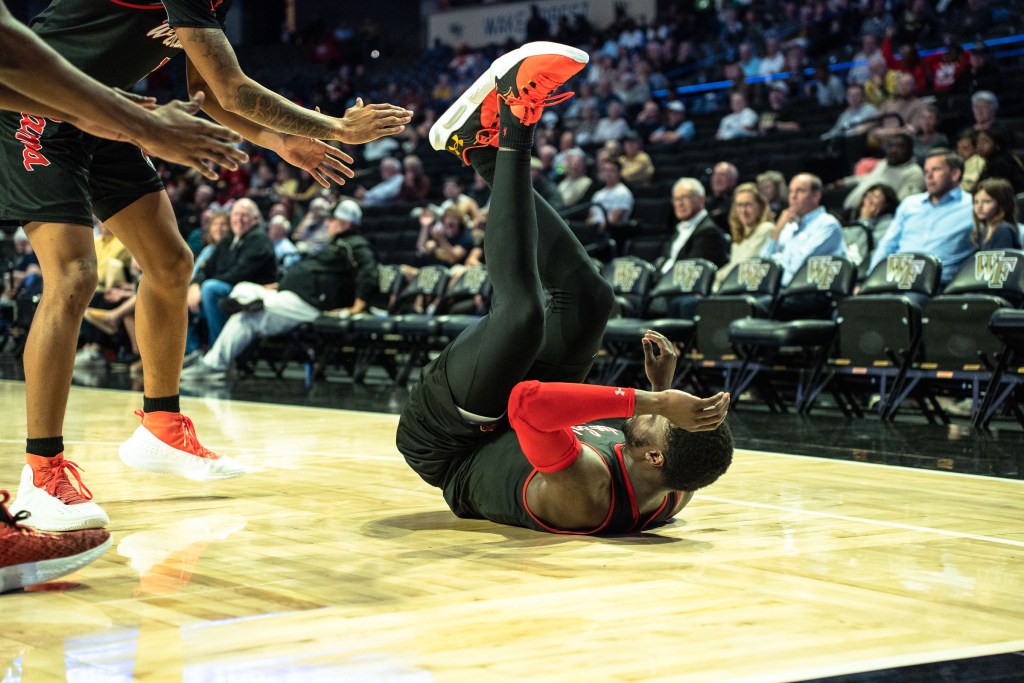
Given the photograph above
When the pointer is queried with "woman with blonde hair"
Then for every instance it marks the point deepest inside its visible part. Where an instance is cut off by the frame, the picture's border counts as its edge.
(772, 185)
(995, 216)
(750, 222)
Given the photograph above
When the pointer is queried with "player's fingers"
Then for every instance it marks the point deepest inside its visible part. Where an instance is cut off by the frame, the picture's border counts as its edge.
(328, 172)
(648, 349)
(204, 168)
(390, 130)
(338, 154)
(336, 164)
(359, 102)
(217, 156)
(196, 103)
(319, 178)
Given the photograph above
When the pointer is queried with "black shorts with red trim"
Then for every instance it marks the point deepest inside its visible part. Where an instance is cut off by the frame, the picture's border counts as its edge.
(51, 171)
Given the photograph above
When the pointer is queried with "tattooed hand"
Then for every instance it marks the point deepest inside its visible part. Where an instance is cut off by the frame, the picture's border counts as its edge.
(363, 123)
(320, 160)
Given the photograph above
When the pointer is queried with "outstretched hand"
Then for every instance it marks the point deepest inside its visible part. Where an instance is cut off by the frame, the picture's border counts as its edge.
(320, 160)
(695, 414)
(660, 358)
(182, 138)
(363, 123)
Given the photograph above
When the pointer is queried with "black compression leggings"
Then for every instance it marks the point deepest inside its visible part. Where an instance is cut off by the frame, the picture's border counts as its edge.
(528, 249)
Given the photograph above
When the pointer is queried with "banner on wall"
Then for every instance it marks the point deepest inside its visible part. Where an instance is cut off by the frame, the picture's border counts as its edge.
(478, 26)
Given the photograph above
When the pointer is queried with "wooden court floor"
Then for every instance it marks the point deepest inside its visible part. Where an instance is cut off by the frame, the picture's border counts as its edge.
(332, 561)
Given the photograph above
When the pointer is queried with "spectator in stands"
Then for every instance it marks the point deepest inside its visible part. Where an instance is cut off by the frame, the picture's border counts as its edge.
(750, 224)
(974, 18)
(772, 186)
(576, 184)
(244, 255)
(773, 60)
(633, 91)
(25, 266)
(311, 232)
(537, 27)
(542, 182)
(904, 109)
(984, 74)
(566, 145)
(859, 72)
(995, 146)
(874, 215)
(741, 123)
(454, 195)
(879, 20)
(112, 260)
(779, 115)
(946, 68)
(587, 127)
(898, 170)
(387, 190)
(278, 230)
(613, 202)
(695, 236)
(880, 86)
(995, 216)
(938, 221)
(928, 135)
(446, 241)
(340, 278)
(219, 227)
(825, 87)
(676, 128)
(637, 167)
(967, 149)
(415, 182)
(985, 107)
(724, 178)
(804, 229)
(909, 61)
(613, 126)
(851, 121)
(748, 60)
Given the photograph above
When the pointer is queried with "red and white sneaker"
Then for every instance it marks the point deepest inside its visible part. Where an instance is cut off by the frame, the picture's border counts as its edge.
(471, 122)
(54, 504)
(527, 78)
(28, 557)
(166, 443)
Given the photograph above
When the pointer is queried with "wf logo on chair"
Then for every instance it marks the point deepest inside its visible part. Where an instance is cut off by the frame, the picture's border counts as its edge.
(753, 273)
(685, 276)
(903, 269)
(822, 271)
(625, 276)
(474, 278)
(993, 267)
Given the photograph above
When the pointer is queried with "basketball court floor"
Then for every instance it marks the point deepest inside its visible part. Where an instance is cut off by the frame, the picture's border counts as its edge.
(332, 561)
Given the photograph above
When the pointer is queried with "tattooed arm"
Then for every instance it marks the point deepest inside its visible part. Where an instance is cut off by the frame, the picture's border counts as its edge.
(214, 60)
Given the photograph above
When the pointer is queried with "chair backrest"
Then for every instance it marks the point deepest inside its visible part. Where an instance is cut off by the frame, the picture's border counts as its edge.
(999, 272)
(860, 242)
(389, 283)
(630, 278)
(464, 286)
(905, 272)
(754, 276)
(688, 276)
(429, 282)
(833, 275)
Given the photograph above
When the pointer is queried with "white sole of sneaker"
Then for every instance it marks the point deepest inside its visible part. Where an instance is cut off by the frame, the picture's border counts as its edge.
(460, 111)
(143, 451)
(31, 573)
(501, 65)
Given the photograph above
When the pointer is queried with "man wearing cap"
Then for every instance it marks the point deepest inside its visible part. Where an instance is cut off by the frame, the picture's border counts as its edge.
(637, 167)
(340, 277)
(676, 127)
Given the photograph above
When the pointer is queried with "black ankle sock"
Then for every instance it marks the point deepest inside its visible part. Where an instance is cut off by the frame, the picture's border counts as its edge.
(164, 404)
(47, 448)
(482, 159)
(512, 134)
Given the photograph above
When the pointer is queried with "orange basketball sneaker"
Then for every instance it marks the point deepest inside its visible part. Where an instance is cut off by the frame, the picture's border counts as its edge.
(28, 557)
(166, 443)
(47, 494)
(472, 120)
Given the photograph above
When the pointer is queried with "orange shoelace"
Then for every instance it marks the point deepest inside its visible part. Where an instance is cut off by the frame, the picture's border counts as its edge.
(58, 484)
(189, 440)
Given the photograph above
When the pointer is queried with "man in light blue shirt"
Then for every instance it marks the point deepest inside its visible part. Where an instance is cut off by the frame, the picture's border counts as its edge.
(938, 221)
(386, 191)
(804, 229)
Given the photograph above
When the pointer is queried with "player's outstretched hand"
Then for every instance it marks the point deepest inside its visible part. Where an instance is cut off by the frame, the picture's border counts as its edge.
(182, 138)
(695, 414)
(363, 123)
(320, 160)
(660, 358)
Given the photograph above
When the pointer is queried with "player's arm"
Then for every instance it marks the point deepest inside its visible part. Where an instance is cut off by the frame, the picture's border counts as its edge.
(210, 52)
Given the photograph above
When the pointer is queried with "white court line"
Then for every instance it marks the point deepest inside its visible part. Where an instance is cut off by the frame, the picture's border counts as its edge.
(864, 520)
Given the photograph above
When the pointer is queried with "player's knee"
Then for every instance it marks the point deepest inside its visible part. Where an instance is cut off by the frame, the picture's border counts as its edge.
(527, 316)
(599, 298)
(76, 285)
(171, 271)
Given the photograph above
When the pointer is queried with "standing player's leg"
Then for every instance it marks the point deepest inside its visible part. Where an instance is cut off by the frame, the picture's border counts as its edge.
(67, 259)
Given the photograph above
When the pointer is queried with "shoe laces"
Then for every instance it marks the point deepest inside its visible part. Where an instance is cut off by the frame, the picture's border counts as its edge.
(14, 521)
(57, 483)
(537, 93)
(189, 439)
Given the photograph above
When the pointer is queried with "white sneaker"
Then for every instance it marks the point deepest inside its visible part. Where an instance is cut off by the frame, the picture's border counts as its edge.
(65, 509)
(88, 355)
(191, 359)
(146, 451)
(201, 372)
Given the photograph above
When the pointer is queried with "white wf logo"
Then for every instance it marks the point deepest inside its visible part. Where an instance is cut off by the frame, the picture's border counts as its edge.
(685, 275)
(474, 279)
(625, 276)
(994, 267)
(822, 271)
(753, 273)
(903, 269)
(386, 278)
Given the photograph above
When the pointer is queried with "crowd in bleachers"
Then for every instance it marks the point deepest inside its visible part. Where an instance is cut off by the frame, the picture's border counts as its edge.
(767, 130)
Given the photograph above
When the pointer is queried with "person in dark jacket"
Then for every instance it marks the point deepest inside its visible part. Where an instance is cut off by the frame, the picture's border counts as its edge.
(244, 255)
(341, 277)
(995, 146)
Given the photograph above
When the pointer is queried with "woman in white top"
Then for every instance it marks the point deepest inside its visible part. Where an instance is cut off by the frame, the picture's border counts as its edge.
(750, 222)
